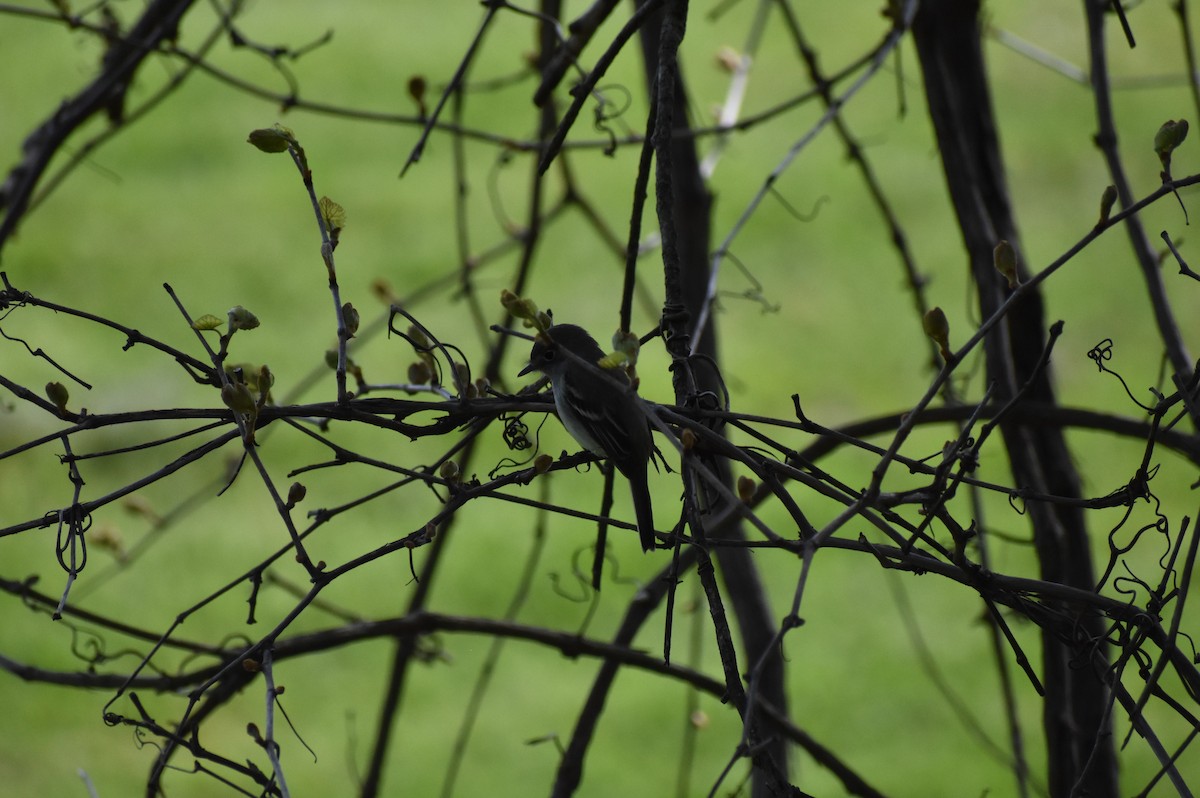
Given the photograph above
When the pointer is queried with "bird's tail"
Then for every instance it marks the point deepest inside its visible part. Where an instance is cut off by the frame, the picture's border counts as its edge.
(643, 510)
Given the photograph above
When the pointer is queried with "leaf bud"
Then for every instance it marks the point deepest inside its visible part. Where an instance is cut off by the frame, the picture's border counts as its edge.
(728, 60)
(416, 90)
(462, 373)
(938, 328)
(1169, 136)
(296, 494)
(418, 337)
(383, 291)
(509, 301)
(627, 343)
(237, 398)
(745, 488)
(351, 317)
(57, 393)
(1005, 259)
(271, 139)
(1107, 200)
(419, 373)
(264, 380)
(241, 319)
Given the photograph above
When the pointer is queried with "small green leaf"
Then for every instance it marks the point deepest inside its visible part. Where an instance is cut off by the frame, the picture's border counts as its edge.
(207, 322)
(613, 360)
(334, 215)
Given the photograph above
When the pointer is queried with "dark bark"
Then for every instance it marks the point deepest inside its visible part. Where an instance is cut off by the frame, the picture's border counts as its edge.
(687, 275)
(1079, 741)
(159, 23)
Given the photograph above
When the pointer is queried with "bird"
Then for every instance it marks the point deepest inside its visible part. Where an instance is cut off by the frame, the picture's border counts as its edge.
(598, 406)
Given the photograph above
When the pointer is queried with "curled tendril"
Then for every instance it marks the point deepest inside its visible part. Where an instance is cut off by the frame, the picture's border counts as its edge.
(606, 110)
(88, 647)
(1133, 579)
(516, 437)
(452, 354)
(1191, 644)
(1100, 352)
(584, 586)
(73, 524)
(516, 434)
(1104, 351)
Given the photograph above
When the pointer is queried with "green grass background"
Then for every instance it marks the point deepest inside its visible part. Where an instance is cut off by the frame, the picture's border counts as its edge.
(180, 198)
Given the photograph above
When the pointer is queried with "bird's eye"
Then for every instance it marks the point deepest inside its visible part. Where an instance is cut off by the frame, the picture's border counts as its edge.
(548, 355)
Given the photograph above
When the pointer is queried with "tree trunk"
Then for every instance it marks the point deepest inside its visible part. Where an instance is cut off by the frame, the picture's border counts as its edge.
(1081, 757)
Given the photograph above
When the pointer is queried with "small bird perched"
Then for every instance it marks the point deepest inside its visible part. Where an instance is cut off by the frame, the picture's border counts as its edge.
(599, 408)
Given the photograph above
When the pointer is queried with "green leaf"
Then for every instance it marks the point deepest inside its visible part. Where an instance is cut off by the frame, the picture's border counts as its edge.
(207, 322)
(334, 214)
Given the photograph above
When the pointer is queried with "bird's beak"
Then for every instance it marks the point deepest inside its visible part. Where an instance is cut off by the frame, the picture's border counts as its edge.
(528, 368)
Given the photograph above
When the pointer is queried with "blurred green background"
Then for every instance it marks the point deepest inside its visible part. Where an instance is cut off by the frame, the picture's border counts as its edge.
(180, 198)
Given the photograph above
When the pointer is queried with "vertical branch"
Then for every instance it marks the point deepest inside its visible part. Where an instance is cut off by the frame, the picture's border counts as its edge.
(1106, 140)
(947, 36)
(268, 740)
(635, 217)
(570, 767)
(1189, 52)
(684, 209)
(663, 75)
